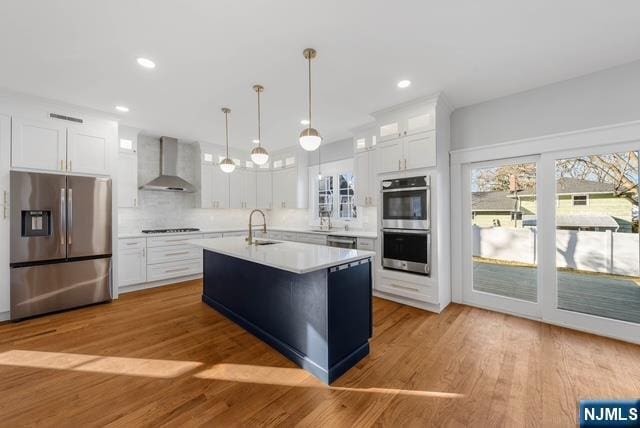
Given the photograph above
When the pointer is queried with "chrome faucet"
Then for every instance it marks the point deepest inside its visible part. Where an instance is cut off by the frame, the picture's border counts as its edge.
(264, 226)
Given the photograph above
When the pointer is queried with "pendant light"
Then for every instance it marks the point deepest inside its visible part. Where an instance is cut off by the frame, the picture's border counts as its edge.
(259, 155)
(227, 165)
(310, 138)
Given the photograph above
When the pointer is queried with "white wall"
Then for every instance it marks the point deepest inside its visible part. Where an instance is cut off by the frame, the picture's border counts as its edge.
(602, 98)
(334, 151)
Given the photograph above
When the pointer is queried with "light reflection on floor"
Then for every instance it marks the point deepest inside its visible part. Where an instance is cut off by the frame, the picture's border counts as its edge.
(298, 378)
(97, 364)
(165, 369)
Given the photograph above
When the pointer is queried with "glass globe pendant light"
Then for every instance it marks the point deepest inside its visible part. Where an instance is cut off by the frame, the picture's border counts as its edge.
(310, 138)
(227, 164)
(259, 154)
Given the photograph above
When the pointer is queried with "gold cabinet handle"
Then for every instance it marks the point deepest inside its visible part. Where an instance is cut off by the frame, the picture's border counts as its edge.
(70, 165)
(61, 165)
(405, 164)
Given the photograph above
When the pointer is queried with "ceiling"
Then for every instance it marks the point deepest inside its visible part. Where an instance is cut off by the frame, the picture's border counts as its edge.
(210, 53)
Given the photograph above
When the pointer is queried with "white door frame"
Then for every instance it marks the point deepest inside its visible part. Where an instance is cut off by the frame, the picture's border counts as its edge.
(612, 138)
(550, 312)
(479, 298)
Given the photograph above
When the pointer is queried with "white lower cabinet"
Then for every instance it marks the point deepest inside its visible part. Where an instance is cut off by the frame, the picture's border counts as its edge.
(175, 269)
(132, 261)
(422, 292)
(367, 244)
(156, 258)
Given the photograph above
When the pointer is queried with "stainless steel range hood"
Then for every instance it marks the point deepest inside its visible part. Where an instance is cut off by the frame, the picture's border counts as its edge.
(168, 181)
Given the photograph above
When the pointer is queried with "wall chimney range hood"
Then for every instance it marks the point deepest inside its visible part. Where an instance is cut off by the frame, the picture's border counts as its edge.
(168, 180)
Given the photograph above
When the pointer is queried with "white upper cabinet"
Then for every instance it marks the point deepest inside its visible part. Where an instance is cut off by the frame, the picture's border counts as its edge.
(285, 188)
(414, 151)
(219, 188)
(420, 150)
(127, 167)
(365, 173)
(264, 190)
(390, 156)
(56, 145)
(364, 139)
(206, 186)
(38, 144)
(242, 188)
(405, 121)
(87, 151)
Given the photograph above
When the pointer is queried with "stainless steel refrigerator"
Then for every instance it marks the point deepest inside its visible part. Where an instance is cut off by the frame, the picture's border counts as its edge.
(60, 242)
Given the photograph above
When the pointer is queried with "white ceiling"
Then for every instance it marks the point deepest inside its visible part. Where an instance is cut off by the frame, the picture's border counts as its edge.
(210, 53)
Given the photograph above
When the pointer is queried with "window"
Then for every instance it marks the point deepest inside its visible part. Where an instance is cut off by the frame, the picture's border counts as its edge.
(325, 196)
(347, 208)
(580, 200)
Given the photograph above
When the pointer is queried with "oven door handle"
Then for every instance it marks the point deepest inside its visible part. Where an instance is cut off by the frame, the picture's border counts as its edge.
(405, 189)
(406, 231)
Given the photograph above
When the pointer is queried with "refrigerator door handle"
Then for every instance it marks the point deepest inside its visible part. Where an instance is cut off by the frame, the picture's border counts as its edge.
(63, 217)
(70, 217)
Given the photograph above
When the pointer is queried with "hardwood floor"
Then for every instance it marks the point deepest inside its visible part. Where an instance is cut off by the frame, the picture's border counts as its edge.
(161, 357)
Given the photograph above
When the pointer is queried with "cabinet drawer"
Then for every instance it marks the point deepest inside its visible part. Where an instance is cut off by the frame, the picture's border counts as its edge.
(289, 236)
(240, 233)
(421, 292)
(310, 238)
(275, 234)
(173, 253)
(132, 243)
(212, 235)
(162, 241)
(366, 244)
(174, 269)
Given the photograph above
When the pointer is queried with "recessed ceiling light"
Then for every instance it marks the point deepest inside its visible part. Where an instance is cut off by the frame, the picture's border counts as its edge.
(123, 109)
(146, 63)
(404, 84)
(256, 141)
(304, 122)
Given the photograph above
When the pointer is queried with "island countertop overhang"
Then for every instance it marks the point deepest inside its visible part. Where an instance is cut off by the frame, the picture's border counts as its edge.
(295, 257)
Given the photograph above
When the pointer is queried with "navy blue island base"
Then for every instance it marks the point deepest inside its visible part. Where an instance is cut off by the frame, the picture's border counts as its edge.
(320, 320)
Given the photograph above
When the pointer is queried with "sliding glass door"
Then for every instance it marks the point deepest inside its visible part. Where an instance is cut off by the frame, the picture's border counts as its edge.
(556, 237)
(502, 231)
(594, 284)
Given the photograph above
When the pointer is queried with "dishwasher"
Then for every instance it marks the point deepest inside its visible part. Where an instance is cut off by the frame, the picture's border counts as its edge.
(342, 241)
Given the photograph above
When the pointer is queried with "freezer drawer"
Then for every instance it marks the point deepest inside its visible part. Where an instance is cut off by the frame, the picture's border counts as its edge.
(47, 288)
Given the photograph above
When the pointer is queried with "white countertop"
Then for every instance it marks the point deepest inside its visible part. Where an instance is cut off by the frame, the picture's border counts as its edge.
(372, 234)
(199, 232)
(337, 232)
(294, 257)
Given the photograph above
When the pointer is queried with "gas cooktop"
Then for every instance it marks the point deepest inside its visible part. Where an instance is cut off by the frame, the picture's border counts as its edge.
(179, 230)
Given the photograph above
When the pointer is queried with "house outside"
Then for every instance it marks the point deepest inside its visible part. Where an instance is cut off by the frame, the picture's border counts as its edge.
(580, 205)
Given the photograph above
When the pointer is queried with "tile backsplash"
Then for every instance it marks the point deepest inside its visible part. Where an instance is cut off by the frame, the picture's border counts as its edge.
(168, 209)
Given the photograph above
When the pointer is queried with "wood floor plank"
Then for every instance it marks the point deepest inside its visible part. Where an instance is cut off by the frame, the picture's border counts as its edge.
(162, 358)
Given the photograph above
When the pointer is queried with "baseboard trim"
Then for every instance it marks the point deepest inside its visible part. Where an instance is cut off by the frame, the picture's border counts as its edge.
(410, 302)
(154, 284)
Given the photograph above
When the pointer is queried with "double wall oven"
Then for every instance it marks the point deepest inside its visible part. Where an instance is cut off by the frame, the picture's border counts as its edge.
(406, 224)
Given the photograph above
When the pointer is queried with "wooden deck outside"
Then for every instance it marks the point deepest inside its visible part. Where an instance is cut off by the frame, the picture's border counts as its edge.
(601, 295)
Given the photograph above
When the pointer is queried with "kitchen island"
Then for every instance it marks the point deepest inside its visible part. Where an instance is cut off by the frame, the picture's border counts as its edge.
(310, 302)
